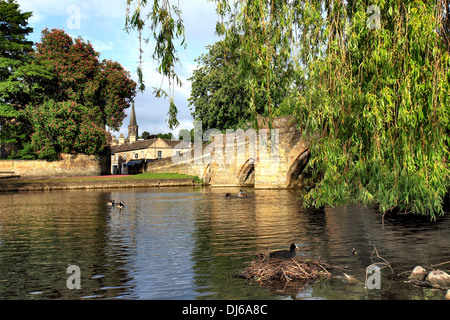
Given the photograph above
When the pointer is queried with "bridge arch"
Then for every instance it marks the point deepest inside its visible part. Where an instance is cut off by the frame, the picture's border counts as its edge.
(206, 176)
(297, 167)
(246, 175)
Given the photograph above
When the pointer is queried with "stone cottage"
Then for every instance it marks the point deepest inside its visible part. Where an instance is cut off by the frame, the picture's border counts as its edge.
(130, 155)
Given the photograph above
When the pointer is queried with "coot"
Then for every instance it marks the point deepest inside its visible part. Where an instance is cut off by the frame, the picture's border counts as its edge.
(285, 254)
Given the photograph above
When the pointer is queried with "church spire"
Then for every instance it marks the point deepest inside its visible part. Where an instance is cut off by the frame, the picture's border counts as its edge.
(132, 127)
(133, 121)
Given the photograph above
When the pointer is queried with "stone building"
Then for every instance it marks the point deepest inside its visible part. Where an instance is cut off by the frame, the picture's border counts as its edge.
(133, 155)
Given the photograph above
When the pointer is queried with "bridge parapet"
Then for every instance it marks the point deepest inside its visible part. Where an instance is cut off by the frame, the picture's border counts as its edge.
(263, 158)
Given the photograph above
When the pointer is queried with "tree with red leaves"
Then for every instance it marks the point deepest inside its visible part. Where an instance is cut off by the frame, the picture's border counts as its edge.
(87, 95)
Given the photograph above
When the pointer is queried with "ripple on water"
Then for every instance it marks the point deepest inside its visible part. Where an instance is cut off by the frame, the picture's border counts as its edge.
(184, 243)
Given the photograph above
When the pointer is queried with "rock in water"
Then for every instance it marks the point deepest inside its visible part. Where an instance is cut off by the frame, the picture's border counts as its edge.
(438, 278)
(350, 279)
(418, 273)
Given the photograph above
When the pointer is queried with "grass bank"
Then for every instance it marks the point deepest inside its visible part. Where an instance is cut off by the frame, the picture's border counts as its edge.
(141, 176)
(97, 182)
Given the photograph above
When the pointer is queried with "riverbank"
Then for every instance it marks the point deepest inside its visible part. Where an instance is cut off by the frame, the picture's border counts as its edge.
(145, 180)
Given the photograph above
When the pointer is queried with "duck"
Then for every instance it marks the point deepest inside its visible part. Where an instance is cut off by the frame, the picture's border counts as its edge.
(242, 194)
(354, 252)
(285, 254)
(110, 203)
(120, 205)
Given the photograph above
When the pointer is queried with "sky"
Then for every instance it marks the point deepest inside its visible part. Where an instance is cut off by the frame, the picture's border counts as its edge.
(102, 23)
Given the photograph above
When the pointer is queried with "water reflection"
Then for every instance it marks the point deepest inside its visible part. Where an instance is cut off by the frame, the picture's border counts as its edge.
(43, 233)
(186, 243)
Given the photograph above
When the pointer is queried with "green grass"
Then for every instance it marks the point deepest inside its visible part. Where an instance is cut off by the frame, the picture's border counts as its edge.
(141, 176)
(154, 176)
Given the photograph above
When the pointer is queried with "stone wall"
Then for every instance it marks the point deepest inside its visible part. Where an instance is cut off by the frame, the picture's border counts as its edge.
(98, 184)
(69, 166)
(292, 153)
(192, 166)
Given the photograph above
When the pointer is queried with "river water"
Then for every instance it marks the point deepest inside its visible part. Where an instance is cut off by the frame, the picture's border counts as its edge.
(187, 243)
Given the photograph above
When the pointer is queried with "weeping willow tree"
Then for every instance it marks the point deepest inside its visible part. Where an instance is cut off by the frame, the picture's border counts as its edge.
(372, 78)
(377, 105)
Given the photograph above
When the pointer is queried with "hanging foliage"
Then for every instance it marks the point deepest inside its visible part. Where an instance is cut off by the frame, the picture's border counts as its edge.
(376, 107)
(165, 27)
(373, 90)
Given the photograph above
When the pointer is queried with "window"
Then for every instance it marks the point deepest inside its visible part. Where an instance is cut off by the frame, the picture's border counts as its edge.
(124, 156)
(136, 155)
(159, 154)
(142, 154)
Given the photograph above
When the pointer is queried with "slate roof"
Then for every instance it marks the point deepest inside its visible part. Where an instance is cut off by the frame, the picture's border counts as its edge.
(144, 144)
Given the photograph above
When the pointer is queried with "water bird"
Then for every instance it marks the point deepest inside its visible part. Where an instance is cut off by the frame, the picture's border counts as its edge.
(110, 203)
(242, 194)
(120, 205)
(285, 254)
(228, 195)
(354, 252)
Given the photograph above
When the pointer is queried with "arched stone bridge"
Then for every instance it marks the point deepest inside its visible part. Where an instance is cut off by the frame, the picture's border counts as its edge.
(261, 158)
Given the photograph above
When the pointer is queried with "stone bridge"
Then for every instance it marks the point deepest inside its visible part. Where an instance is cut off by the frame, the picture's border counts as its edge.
(260, 158)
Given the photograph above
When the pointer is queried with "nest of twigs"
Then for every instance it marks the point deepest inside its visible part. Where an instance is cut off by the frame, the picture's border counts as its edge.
(266, 269)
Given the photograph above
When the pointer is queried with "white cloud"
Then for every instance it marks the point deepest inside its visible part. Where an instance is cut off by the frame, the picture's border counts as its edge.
(36, 18)
(101, 46)
(45, 7)
(114, 9)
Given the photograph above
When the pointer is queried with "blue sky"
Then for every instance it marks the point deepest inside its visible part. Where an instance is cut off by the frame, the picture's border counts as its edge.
(102, 23)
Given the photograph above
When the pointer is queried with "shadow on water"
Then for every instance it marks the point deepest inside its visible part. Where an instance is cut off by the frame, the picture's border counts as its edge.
(186, 243)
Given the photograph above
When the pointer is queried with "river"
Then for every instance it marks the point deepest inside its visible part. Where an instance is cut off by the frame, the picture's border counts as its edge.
(187, 243)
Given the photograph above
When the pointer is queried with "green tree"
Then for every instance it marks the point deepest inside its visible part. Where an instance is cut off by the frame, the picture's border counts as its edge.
(87, 95)
(184, 134)
(21, 80)
(220, 97)
(165, 135)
